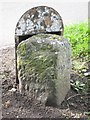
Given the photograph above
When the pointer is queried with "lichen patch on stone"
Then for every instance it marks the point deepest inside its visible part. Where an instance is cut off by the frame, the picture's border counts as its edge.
(39, 19)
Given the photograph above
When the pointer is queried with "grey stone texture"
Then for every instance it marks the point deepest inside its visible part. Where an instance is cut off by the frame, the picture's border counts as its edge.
(44, 64)
(39, 19)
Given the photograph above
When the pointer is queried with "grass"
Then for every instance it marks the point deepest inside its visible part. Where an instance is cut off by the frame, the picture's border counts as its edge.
(78, 36)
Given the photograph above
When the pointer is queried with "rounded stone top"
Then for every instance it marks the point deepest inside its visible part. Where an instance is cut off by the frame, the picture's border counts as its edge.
(41, 19)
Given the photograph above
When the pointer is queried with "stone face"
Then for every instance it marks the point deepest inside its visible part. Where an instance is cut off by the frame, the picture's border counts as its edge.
(44, 64)
(39, 19)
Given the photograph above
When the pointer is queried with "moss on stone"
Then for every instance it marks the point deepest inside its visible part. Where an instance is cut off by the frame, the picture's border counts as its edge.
(22, 49)
(40, 63)
(39, 58)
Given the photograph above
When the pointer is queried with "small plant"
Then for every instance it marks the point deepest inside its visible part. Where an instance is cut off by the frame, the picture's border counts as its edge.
(87, 113)
(78, 86)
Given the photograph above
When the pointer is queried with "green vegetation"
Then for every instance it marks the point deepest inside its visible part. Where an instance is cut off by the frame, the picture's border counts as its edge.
(22, 49)
(78, 36)
(78, 86)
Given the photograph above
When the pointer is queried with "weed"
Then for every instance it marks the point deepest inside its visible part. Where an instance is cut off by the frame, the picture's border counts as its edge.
(78, 86)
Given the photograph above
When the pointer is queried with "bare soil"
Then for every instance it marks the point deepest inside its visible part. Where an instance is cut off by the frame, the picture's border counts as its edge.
(16, 105)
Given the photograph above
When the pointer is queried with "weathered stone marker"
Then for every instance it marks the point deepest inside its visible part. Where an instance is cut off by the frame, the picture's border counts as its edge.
(43, 56)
